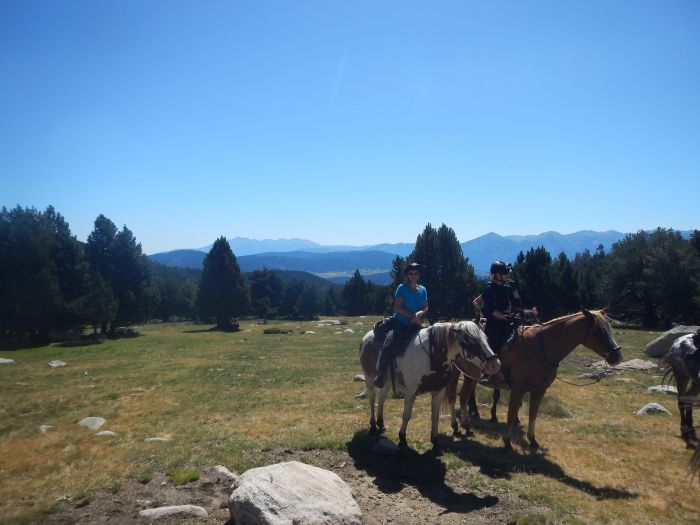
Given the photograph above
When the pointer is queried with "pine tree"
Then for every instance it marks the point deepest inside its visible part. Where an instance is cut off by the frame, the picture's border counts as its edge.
(222, 294)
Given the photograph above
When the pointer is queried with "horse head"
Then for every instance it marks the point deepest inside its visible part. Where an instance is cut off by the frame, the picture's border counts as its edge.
(599, 337)
(474, 345)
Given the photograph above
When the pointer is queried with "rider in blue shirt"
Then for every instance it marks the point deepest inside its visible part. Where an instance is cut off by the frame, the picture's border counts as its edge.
(410, 308)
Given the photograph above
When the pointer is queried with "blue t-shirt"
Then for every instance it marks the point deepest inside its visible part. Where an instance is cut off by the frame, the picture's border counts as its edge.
(412, 301)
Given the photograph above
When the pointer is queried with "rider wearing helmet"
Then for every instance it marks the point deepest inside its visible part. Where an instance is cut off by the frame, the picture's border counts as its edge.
(410, 308)
(501, 301)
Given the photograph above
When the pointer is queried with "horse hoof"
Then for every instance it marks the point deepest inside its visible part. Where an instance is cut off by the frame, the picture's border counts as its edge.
(494, 419)
(474, 415)
(403, 444)
(507, 447)
(534, 445)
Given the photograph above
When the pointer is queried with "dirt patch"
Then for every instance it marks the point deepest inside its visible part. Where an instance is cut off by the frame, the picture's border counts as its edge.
(411, 488)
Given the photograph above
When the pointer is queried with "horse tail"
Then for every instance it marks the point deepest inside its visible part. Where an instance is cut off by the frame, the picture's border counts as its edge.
(665, 365)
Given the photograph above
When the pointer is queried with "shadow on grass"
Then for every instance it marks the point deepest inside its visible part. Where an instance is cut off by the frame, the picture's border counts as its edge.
(496, 463)
(426, 472)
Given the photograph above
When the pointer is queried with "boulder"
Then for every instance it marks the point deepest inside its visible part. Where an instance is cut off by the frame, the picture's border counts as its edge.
(652, 408)
(666, 389)
(292, 492)
(93, 423)
(662, 344)
(632, 364)
(4, 361)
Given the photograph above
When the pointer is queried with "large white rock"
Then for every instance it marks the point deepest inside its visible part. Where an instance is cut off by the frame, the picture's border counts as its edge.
(4, 361)
(56, 363)
(632, 364)
(292, 493)
(662, 344)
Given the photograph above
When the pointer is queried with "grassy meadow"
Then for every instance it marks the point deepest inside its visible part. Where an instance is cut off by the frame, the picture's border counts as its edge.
(227, 398)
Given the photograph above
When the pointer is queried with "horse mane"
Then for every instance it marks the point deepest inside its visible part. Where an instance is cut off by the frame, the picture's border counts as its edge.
(446, 333)
(599, 314)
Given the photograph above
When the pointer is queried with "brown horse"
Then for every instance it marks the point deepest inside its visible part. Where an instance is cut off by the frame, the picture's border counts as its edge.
(530, 363)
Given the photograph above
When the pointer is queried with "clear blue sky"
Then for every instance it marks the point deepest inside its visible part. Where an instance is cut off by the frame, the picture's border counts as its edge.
(351, 122)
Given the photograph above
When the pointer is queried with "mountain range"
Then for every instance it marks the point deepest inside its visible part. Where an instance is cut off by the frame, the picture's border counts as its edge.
(338, 262)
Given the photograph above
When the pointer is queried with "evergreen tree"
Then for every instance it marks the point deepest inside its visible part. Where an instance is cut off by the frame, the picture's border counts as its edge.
(308, 304)
(41, 272)
(531, 274)
(355, 296)
(447, 275)
(265, 293)
(130, 279)
(624, 283)
(588, 272)
(99, 305)
(564, 287)
(222, 294)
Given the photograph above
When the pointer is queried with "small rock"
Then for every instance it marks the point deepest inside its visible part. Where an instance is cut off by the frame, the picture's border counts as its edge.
(4, 361)
(47, 428)
(220, 469)
(56, 363)
(598, 375)
(309, 332)
(358, 377)
(93, 423)
(349, 331)
(361, 395)
(665, 389)
(180, 511)
(156, 440)
(106, 433)
(632, 364)
(652, 408)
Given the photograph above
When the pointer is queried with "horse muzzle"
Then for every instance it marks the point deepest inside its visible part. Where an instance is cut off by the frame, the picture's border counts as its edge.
(614, 356)
(492, 365)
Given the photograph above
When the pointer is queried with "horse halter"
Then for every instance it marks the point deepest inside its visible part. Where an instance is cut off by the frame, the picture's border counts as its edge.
(614, 351)
(469, 353)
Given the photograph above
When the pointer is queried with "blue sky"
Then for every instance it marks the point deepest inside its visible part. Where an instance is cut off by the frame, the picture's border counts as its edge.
(351, 122)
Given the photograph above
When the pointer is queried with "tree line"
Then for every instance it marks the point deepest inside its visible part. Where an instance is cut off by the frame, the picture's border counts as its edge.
(51, 281)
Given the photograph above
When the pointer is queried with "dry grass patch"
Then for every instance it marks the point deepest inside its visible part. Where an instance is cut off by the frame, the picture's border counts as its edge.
(229, 398)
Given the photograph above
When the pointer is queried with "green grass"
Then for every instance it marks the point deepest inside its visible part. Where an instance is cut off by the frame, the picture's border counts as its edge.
(228, 398)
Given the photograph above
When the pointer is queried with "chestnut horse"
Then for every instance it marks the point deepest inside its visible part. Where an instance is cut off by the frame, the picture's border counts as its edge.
(529, 364)
(424, 367)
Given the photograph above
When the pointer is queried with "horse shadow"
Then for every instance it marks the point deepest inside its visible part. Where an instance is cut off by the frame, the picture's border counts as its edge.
(423, 471)
(495, 463)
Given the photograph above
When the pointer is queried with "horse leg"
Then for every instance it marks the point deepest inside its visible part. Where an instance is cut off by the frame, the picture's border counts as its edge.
(371, 396)
(435, 417)
(686, 410)
(473, 410)
(494, 406)
(407, 410)
(535, 400)
(464, 413)
(380, 408)
(451, 398)
(690, 395)
(516, 399)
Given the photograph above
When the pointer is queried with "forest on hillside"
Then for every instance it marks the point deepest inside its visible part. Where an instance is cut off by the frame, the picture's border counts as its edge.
(53, 285)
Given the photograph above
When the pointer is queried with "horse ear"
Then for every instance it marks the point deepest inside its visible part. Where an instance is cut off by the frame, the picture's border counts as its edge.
(603, 310)
(586, 312)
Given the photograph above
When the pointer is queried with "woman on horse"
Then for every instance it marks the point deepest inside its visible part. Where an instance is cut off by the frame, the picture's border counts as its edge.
(501, 302)
(410, 308)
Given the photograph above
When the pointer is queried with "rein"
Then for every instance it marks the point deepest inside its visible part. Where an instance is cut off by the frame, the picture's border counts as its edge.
(546, 360)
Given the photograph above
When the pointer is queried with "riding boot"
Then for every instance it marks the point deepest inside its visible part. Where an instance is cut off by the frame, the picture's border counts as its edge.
(384, 360)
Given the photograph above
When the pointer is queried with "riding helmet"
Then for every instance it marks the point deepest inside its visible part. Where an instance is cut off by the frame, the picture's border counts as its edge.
(500, 267)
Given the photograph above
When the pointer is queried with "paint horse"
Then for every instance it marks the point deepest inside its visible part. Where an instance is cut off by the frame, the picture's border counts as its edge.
(530, 363)
(424, 367)
(684, 363)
